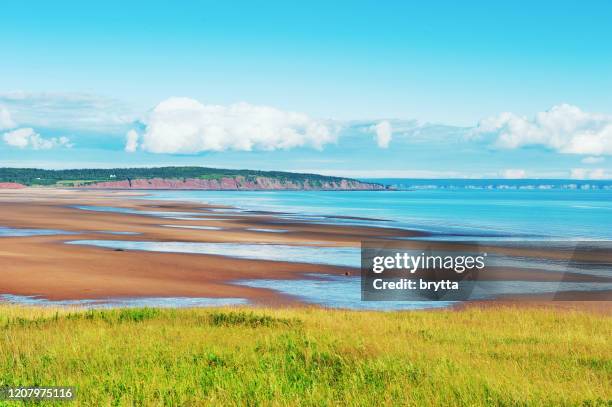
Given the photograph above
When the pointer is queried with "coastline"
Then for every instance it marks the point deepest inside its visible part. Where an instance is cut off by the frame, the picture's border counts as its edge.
(47, 267)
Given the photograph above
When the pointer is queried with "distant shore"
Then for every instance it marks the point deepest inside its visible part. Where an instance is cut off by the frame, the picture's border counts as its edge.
(195, 178)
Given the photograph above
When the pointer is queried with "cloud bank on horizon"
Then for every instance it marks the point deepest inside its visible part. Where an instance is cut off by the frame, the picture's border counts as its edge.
(27, 138)
(180, 126)
(67, 111)
(186, 126)
(564, 128)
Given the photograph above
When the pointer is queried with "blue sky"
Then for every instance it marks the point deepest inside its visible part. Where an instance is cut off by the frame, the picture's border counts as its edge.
(441, 77)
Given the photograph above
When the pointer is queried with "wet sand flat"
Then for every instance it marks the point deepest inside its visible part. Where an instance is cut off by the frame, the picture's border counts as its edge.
(48, 267)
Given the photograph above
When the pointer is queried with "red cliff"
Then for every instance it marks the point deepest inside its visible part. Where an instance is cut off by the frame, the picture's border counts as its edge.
(11, 185)
(235, 183)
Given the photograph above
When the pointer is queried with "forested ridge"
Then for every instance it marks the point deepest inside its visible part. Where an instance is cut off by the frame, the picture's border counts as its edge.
(35, 176)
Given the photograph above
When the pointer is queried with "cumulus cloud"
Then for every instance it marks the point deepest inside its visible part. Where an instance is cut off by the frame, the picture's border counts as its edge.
(6, 121)
(563, 128)
(513, 173)
(184, 126)
(586, 173)
(28, 138)
(384, 133)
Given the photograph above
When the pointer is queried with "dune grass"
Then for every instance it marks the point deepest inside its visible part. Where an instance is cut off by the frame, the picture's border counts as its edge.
(233, 356)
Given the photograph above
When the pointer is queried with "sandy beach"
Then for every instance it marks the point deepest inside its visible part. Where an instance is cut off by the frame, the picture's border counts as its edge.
(47, 267)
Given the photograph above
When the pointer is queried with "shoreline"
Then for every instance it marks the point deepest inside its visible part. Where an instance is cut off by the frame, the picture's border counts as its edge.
(45, 266)
(58, 271)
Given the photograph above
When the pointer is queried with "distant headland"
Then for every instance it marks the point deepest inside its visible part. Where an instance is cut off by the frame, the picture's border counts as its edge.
(197, 178)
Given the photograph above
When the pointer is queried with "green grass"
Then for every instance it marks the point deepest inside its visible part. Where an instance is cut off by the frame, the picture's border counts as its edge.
(231, 356)
(73, 183)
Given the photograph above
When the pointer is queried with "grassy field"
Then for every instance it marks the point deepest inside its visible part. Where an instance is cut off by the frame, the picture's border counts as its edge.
(501, 357)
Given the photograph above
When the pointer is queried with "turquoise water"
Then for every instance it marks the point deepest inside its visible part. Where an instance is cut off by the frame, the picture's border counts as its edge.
(162, 302)
(193, 227)
(452, 212)
(337, 256)
(562, 214)
(345, 292)
(129, 211)
(336, 292)
(20, 232)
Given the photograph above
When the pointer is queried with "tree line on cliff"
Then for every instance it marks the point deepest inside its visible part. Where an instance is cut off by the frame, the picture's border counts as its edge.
(42, 177)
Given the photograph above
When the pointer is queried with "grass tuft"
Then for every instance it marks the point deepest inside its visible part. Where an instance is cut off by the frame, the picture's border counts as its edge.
(247, 319)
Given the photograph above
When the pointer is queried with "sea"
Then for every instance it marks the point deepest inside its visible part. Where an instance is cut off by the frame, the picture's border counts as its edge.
(471, 210)
(449, 209)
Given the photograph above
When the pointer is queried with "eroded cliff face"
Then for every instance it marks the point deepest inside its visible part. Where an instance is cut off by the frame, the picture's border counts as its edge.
(11, 185)
(236, 183)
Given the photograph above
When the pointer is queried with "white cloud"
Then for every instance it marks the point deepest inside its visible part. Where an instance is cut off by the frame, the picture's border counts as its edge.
(513, 173)
(6, 121)
(564, 128)
(75, 111)
(28, 138)
(184, 125)
(131, 143)
(585, 173)
(593, 160)
(384, 133)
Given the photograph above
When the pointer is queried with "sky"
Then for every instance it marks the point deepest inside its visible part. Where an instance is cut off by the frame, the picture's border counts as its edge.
(436, 89)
